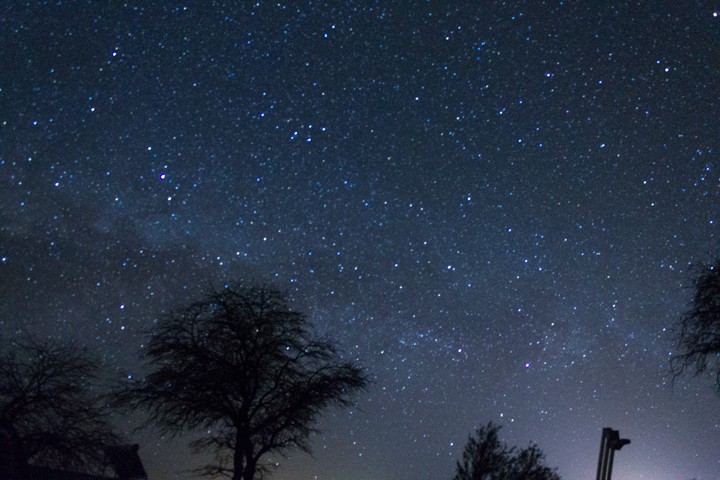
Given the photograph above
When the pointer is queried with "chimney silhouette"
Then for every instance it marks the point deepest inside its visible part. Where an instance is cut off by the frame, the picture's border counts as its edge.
(609, 442)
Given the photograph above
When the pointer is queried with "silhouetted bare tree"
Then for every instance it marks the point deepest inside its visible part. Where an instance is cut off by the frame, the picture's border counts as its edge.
(49, 415)
(698, 338)
(486, 458)
(243, 369)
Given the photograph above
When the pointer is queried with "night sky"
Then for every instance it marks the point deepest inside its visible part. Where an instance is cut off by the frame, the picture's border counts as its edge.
(491, 206)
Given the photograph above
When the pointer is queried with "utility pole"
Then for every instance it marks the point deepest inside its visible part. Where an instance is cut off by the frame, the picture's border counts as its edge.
(609, 442)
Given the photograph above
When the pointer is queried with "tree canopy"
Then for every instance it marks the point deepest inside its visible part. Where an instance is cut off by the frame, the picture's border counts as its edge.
(698, 335)
(245, 371)
(486, 458)
(49, 414)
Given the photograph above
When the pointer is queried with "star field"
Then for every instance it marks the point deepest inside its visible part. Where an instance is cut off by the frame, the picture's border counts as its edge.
(492, 207)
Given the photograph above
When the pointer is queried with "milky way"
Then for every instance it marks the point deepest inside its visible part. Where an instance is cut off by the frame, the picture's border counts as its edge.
(493, 207)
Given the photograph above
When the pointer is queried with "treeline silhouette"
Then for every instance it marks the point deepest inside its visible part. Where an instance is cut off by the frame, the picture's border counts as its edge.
(242, 366)
(238, 364)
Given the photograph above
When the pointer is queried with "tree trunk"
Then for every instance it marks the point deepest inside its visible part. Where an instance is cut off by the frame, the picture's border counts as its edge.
(13, 462)
(244, 462)
(244, 468)
(238, 465)
(249, 473)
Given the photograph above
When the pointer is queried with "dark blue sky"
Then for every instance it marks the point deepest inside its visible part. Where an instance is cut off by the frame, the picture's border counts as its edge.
(492, 206)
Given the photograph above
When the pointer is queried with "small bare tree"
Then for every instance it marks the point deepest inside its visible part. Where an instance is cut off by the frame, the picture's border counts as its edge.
(698, 337)
(243, 369)
(49, 415)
